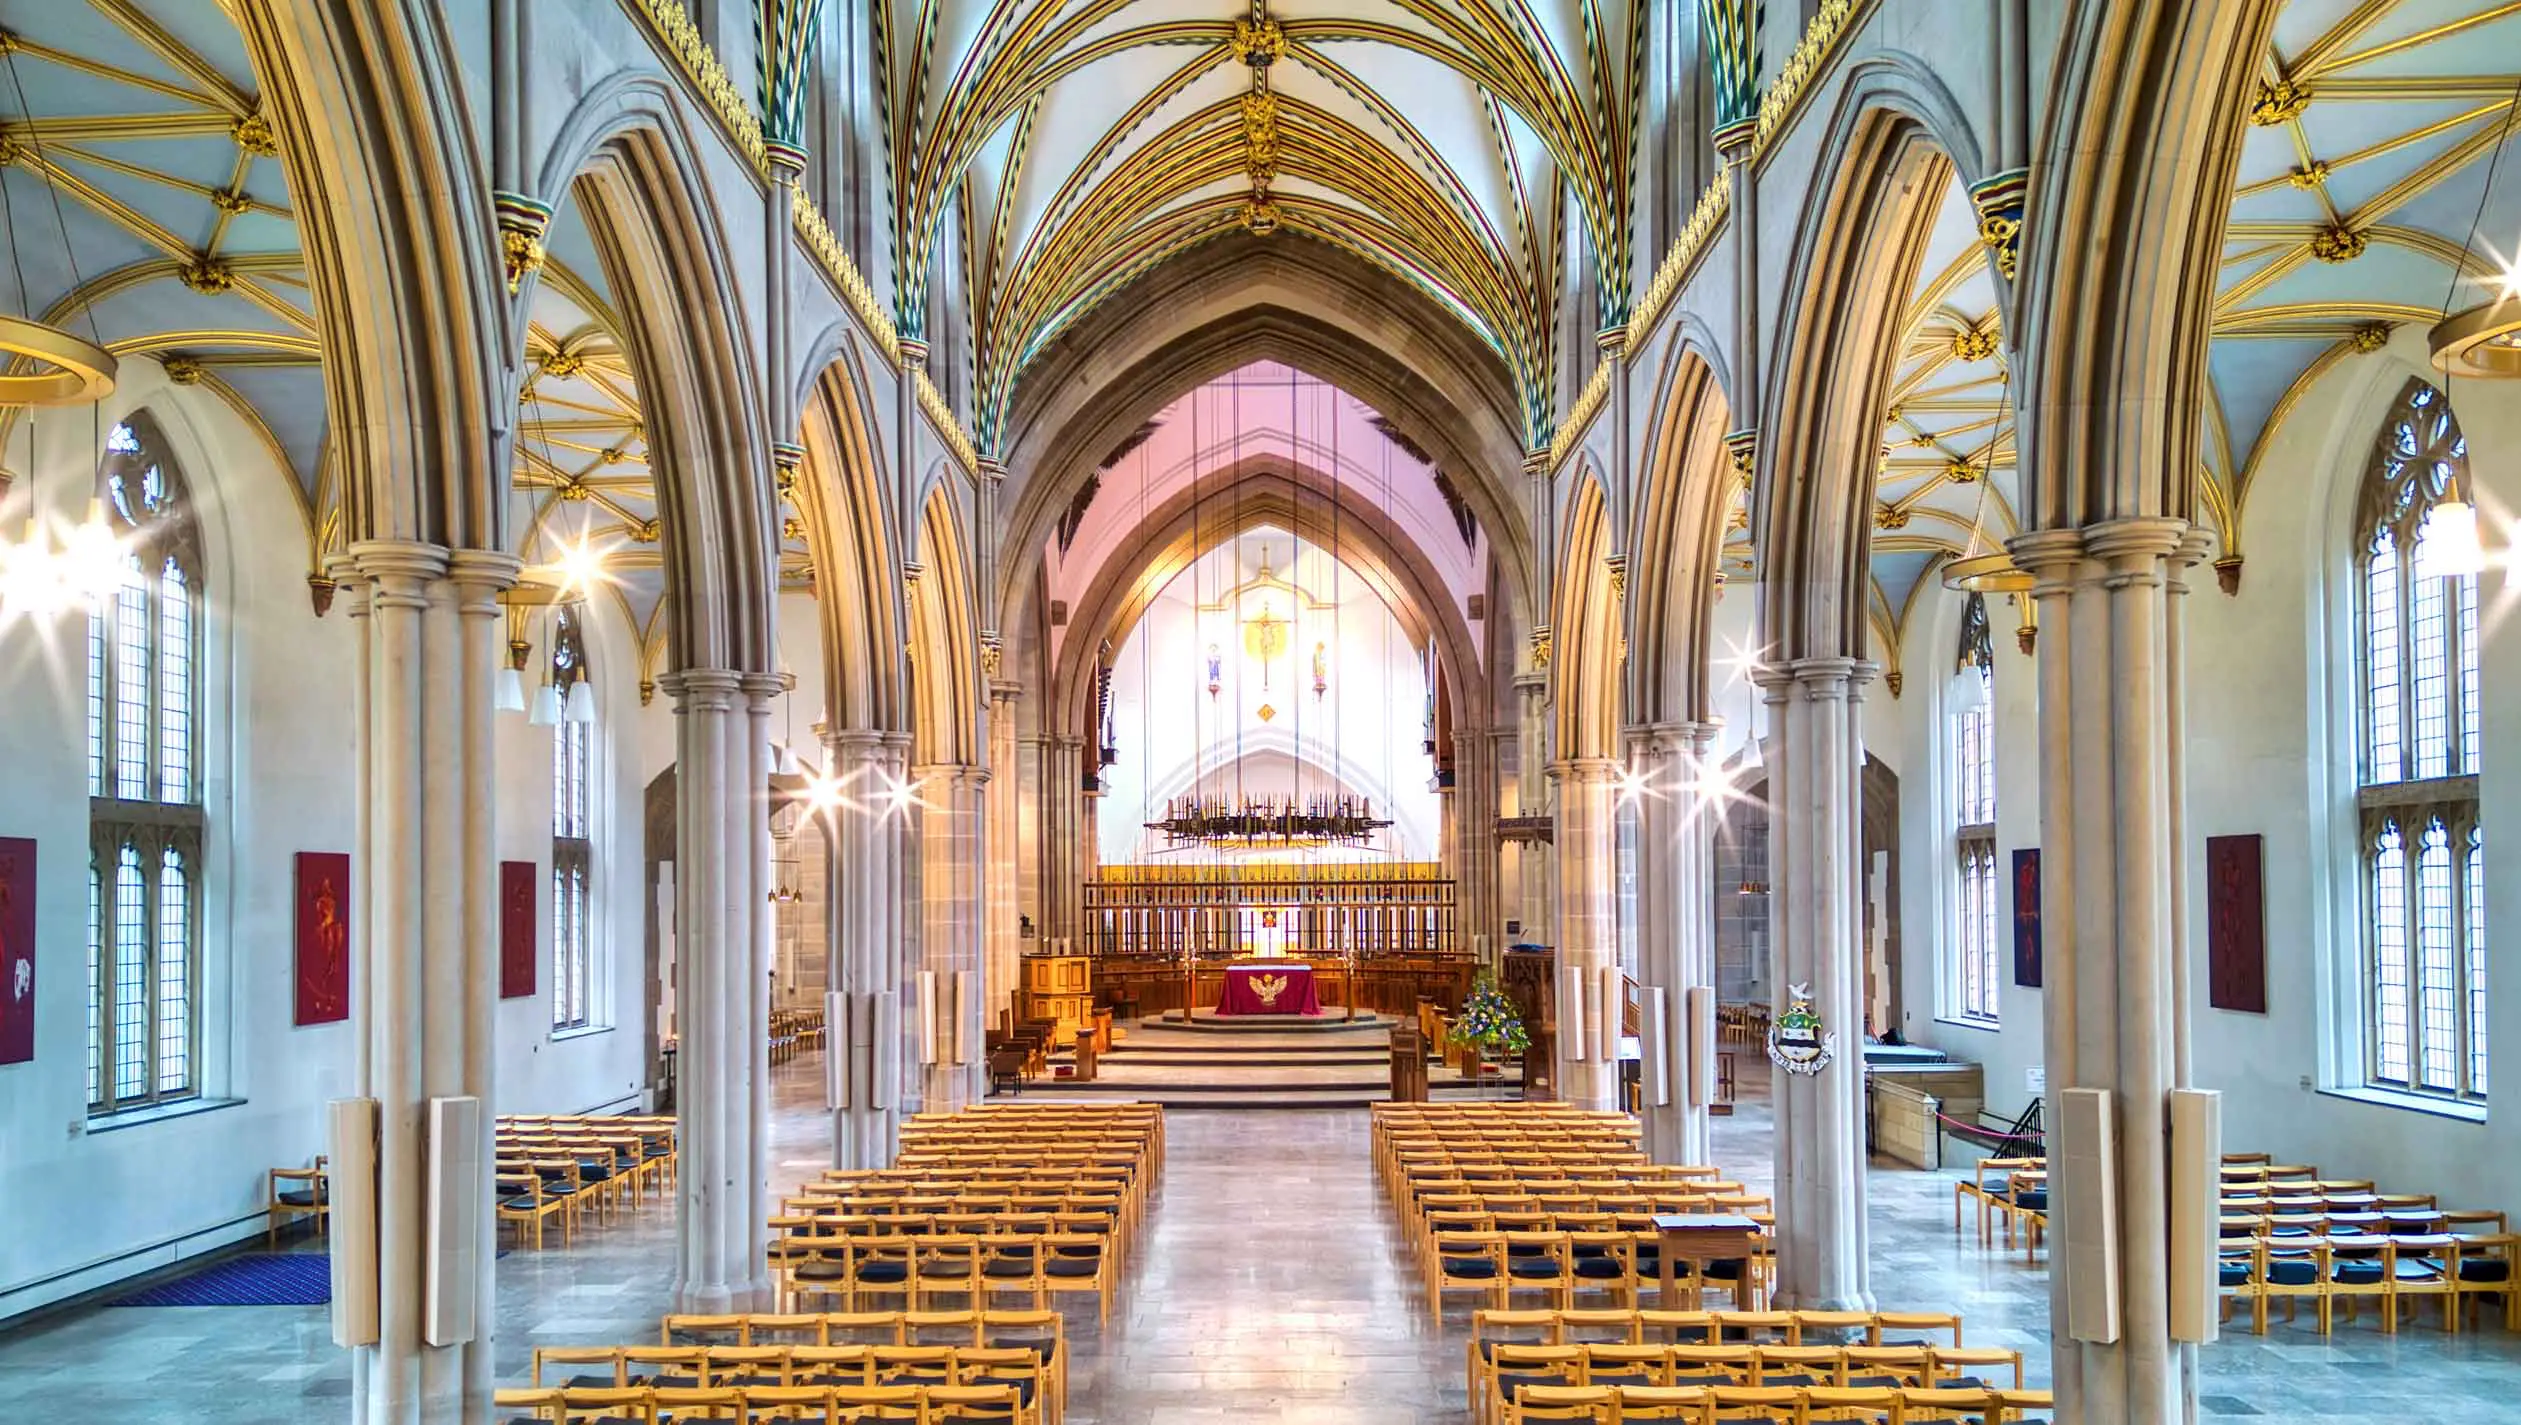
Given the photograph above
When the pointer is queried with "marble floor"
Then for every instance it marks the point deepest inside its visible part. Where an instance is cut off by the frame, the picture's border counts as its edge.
(1270, 1286)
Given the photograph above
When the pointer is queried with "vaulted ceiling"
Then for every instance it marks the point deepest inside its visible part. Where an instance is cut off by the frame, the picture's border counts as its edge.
(2364, 173)
(1472, 148)
(147, 209)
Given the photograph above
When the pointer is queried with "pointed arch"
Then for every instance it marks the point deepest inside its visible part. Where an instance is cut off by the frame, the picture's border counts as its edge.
(1675, 552)
(1830, 391)
(840, 494)
(682, 330)
(945, 682)
(1587, 630)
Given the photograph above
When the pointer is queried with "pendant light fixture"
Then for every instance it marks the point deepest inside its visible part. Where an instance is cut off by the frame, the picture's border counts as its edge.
(546, 711)
(507, 686)
(579, 707)
(2484, 341)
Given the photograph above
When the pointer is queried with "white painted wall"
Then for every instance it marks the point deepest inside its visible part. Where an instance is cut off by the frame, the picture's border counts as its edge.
(2270, 751)
(1914, 732)
(83, 1207)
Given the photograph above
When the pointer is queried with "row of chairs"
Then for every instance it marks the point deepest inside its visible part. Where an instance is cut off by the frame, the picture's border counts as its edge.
(571, 1168)
(1044, 1333)
(793, 1032)
(1510, 1371)
(793, 1367)
(566, 1155)
(1794, 1405)
(762, 1405)
(2396, 1272)
(920, 1270)
(1729, 1338)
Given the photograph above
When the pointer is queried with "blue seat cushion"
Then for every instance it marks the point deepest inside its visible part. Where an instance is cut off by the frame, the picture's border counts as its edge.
(1072, 1266)
(1479, 1267)
(2292, 1273)
(2486, 1269)
(1535, 1269)
(821, 1272)
(2233, 1274)
(1600, 1269)
(303, 1197)
(883, 1271)
(2032, 1200)
(1728, 1270)
(2356, 1273)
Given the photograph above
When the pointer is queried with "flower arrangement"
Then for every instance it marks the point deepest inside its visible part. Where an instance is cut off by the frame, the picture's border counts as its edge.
(1489, 1022)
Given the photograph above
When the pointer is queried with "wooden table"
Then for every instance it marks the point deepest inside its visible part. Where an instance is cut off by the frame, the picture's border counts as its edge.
(1702, 1237)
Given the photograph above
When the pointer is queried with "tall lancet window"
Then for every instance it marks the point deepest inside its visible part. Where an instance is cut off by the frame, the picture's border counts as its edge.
(2417, 827)
(144, 787)
(572, 837)
(1977, 969)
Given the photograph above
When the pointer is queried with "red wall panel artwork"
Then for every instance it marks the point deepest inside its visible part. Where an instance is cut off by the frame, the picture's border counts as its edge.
(17, 950)
(519, 892)
(2236, 923)
(323, 991)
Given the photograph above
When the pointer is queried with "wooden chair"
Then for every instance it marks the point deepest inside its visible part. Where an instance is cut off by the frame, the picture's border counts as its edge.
(308, 1194)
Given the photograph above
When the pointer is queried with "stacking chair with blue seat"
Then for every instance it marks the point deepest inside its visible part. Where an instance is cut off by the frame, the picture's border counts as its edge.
(1467, 1261)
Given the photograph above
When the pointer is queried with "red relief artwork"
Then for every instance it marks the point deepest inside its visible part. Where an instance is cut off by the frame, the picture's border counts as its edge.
(323, 937)
(519, 893)
(2236, 923)
(17, 950)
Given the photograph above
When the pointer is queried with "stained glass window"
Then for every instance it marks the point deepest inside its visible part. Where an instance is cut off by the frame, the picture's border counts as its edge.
(1977, 968)
(144, 787)
(572, 844)
(2423, 885)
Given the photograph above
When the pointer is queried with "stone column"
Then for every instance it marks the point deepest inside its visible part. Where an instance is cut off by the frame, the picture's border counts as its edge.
(950, 877)
(1588, 923)
(1675, 916)
(863, 957)
(2112, 877)
(1001, 899)
(1063, 774)
(1531, 798)
(722, 851)
(423, 904)
(1816, 866)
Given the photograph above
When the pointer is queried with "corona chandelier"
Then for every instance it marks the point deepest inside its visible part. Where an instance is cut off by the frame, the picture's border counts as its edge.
(1262, 821)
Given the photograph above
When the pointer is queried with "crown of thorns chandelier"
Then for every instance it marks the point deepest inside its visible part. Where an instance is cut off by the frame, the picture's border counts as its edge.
(1317, 821)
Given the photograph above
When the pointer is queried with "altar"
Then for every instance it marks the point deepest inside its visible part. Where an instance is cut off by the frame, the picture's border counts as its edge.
(1269, 987)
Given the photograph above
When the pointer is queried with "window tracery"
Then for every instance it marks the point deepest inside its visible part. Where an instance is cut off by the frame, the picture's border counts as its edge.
(2418, 829)
(145, 811)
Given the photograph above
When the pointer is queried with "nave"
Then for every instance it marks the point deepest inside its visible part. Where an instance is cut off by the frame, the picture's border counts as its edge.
(1273, 1284)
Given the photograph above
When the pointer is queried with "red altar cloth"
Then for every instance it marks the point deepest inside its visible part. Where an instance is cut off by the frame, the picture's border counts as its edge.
(1269, 987)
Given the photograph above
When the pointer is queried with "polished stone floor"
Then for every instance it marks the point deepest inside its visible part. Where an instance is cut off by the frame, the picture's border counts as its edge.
(1270, 1286)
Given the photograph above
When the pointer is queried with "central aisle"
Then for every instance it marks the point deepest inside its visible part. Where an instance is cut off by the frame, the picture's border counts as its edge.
(1270, 1285)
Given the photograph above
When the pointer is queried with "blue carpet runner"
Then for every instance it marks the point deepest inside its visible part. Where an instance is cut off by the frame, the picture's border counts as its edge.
(283, 1279)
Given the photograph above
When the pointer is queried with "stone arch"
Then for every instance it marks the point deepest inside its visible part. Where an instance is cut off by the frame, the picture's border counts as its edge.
(1235, 301)
(1261, 489)
(2141, 141)
(1678, 543)
(1862, 243)
(699, 397)
(393, 207)
(944, 683)
(1586, 630)
(840, 495)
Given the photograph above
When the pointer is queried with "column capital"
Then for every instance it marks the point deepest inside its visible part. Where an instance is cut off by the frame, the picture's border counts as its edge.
(702, 689)
(1817, 677)
(1006, 690)
(1671, 738)
(1581, 770)
(762, 687)
(371, 560)
(482, 573)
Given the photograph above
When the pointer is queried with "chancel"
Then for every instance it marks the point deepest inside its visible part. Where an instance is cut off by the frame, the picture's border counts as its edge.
(1151, 711)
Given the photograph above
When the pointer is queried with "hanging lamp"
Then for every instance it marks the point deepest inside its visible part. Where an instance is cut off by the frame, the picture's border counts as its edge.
(2483, 342)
